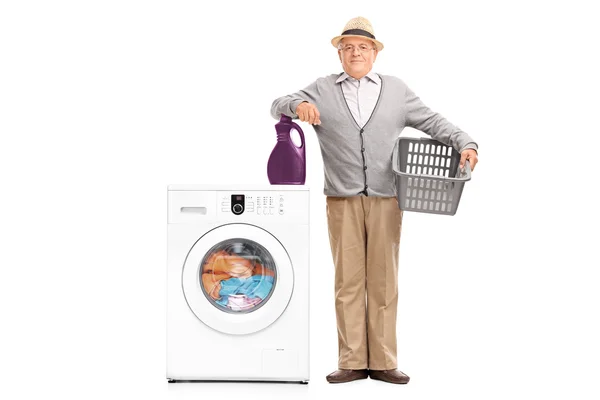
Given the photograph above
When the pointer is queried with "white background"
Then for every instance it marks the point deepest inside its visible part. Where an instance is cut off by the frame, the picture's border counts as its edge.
(105, 103)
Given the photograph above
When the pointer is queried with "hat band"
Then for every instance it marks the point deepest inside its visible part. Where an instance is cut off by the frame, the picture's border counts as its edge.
(358, 32)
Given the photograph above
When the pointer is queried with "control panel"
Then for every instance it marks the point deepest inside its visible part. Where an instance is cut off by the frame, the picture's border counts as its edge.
(263, 204)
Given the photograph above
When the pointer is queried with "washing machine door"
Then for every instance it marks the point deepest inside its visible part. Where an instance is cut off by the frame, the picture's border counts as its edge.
(238, 279)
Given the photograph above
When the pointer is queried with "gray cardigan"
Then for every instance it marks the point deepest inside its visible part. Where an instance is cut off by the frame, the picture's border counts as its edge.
(358, 160)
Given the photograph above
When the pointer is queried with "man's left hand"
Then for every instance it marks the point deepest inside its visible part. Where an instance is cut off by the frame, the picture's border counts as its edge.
(470, 155)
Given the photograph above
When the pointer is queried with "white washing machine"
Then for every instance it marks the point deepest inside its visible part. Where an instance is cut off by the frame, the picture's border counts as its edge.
(238, 283)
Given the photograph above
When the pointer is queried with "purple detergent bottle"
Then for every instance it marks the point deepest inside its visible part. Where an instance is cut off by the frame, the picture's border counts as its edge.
(287, 163)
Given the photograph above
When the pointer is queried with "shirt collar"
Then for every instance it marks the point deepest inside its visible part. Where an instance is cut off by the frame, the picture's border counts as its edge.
(371, 75)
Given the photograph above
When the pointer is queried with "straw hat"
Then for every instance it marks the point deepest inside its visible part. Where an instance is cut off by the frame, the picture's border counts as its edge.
(358, 27)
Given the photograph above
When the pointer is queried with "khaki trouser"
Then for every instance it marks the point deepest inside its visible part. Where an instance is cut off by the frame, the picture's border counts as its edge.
(364, 233)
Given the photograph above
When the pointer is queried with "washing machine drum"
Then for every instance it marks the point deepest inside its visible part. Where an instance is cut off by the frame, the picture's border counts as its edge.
(238, 279)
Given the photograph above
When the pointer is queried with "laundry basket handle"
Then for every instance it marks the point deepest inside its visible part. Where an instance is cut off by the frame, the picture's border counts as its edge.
(465, 172)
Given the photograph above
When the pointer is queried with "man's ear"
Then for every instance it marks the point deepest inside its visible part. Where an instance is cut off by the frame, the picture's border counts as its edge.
(340, 55)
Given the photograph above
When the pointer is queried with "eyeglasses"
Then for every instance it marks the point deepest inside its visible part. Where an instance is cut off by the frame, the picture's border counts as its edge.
(363, 48)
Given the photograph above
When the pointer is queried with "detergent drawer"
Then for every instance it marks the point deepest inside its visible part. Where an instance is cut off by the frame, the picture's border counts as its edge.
(188, 206)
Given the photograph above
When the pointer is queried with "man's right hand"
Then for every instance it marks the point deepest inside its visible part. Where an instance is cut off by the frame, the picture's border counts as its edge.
(308, 112)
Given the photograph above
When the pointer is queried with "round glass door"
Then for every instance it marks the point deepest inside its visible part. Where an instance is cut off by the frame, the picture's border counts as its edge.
(238, 279)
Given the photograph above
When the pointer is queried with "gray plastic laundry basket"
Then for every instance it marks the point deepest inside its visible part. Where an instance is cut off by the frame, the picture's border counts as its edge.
(427, 176)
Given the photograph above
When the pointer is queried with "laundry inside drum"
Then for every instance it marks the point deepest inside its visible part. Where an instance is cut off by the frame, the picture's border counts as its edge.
(238, 275)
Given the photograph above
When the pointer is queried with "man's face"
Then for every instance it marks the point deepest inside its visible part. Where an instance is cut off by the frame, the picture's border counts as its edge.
(357, 56)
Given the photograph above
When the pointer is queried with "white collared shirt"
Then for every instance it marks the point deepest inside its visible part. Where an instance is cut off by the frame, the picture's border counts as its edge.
(361, 95)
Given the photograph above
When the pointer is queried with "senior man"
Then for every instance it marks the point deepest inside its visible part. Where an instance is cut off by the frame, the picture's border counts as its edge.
(357, 116)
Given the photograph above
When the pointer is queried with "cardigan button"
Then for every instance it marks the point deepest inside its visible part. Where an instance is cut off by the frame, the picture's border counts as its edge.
(365, 167)
(363, 149)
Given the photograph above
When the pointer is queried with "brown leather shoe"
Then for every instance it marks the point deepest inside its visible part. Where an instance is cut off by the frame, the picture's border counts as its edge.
(390, 375)
(347, 375)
